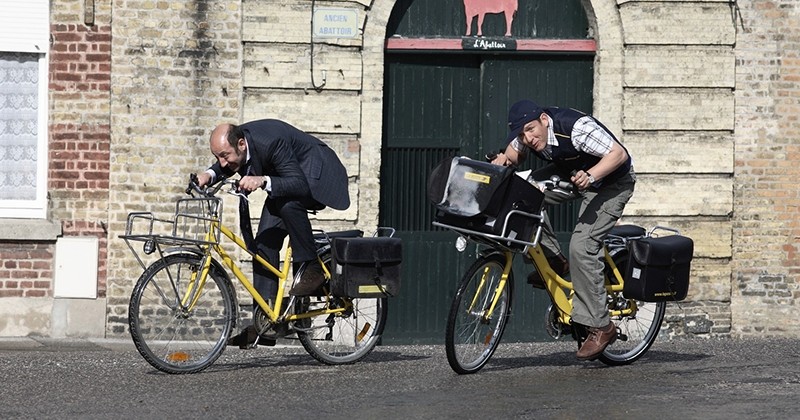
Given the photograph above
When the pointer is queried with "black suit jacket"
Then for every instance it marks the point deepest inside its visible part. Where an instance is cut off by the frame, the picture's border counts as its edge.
(298, 164)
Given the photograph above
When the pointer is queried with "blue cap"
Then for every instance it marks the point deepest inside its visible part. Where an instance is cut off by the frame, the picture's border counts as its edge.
(521, 113)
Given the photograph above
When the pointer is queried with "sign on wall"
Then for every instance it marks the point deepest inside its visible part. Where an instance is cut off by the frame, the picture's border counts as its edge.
(335, 23)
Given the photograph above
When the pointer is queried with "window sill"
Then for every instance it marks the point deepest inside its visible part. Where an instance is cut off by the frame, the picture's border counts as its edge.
(29, 230)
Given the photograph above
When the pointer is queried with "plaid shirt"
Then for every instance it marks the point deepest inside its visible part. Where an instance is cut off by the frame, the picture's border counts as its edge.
(587, 137)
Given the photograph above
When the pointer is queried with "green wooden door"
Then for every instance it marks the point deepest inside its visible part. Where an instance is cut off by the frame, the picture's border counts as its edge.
(439, 106)
(442, 98)
(431, 108)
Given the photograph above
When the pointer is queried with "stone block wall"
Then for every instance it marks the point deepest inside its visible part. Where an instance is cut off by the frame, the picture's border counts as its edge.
(176, 74)
(677, 121)
(766, 223)
(703, 93)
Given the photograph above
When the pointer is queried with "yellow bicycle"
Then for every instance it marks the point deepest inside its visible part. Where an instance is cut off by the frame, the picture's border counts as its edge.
(184, 308)
(482, 303)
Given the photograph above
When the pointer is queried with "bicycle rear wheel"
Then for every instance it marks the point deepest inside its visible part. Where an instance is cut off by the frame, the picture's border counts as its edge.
(637, 331)
(345, 337)
(172, 337)
(472, 334)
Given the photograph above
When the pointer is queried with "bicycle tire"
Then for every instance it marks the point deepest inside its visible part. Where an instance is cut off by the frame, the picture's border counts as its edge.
(344, 338)
(636, 332)
(470, 340)
(170, 338)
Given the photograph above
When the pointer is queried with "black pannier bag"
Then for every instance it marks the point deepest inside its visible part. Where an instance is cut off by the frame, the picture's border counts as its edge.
(478, 196)
(366, 267)
(658, 268)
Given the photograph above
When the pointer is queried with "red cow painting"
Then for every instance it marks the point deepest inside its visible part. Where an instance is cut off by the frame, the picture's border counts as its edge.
(480, 8)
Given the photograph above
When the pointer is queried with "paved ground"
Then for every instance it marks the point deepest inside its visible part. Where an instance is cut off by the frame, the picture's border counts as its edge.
(681, 379)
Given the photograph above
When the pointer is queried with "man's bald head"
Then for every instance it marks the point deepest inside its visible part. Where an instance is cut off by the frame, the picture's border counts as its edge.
(229, 146)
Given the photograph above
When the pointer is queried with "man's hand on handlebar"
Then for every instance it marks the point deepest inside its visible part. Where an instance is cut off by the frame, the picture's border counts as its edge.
(251, 183)
(581, 180)
(500, 159)
(203, 179)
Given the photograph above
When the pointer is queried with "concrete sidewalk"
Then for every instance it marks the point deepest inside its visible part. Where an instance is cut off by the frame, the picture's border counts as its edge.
(64, 344)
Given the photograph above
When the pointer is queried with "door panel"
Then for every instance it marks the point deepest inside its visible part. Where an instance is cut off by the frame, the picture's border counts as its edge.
(431, 103)
(439, 106)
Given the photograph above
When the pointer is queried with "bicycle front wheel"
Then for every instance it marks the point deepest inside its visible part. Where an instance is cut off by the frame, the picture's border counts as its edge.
(345, 337)
(472, 332)
(637, 331)
(173, 334)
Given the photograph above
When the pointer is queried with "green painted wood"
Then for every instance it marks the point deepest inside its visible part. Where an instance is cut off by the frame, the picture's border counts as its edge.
(447, 104)
(534, 19)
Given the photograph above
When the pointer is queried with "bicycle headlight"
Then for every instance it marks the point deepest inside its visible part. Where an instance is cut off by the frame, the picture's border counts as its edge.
(461, 243)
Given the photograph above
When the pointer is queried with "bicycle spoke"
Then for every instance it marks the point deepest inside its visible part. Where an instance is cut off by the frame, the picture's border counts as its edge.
(472, 333)
(170, 337)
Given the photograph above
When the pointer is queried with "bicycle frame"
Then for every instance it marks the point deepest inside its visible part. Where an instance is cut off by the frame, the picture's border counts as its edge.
(273, 312)
(559, 289)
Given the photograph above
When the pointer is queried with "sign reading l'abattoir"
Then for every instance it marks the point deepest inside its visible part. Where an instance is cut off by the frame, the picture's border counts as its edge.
(488, 44)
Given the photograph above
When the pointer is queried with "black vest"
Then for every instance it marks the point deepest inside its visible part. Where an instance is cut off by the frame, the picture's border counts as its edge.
(566, 156)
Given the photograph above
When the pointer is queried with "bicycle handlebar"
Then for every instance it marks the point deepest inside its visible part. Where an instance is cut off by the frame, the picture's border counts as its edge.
(557, 185)
(211, 191)
(554, 184)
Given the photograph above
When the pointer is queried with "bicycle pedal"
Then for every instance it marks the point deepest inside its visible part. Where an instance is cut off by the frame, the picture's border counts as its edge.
(622, 337)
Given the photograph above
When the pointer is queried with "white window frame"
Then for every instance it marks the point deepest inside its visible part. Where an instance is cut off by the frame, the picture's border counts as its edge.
(25, 27)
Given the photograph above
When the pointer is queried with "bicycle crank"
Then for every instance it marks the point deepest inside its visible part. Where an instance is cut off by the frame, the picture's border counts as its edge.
(555, 328)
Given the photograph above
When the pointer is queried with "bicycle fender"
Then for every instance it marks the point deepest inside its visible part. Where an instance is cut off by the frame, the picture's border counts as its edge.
(490, 251)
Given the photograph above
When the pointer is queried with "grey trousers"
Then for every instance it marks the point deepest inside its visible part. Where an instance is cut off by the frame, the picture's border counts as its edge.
(600, 210)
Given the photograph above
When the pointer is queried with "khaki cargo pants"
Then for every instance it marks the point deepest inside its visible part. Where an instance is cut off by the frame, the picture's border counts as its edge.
(600, 210)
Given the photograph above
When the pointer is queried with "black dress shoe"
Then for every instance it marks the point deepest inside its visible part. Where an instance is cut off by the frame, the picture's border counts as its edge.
(313, 277)
(247, 339)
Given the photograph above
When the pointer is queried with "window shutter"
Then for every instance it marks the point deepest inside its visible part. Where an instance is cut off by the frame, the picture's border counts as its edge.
(24, 26)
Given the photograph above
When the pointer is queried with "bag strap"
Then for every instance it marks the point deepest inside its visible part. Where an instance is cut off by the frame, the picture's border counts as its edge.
(378, 272)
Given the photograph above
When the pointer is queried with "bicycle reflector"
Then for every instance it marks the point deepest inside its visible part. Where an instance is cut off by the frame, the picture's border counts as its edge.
(149, 246)
(178, 356)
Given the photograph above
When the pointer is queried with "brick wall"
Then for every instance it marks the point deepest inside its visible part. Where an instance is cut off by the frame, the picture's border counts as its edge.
(26, 269)
(79, 138)
(80, 86)
(179, 67)
(766, 284)
(176, 74)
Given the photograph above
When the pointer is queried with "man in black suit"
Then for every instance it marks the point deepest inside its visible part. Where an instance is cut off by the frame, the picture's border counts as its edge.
(299, 173)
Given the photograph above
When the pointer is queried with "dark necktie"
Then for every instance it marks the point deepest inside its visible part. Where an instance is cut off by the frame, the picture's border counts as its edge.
(244, 219)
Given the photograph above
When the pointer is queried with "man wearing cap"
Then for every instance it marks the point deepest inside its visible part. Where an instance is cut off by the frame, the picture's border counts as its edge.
(299, 172)
(582, 149)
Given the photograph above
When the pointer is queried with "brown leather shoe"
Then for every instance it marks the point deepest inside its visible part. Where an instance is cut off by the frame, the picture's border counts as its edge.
(597, 341)
(310, 281)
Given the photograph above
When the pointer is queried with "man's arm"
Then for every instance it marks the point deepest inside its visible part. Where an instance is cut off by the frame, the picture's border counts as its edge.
(509, 157)
(609, 163)
(289, 179)
(590, 137)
